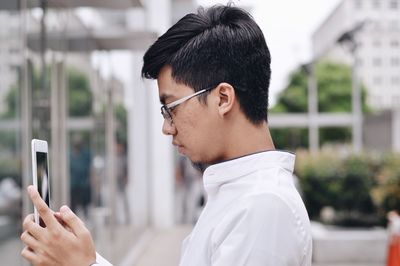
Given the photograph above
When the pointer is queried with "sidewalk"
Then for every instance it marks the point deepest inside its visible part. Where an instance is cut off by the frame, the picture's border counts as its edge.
(161, 247)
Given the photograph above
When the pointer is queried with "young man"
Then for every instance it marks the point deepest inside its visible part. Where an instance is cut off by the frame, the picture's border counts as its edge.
(213, 72)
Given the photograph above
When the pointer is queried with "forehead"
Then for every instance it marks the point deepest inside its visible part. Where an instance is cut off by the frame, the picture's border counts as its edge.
(168, 89)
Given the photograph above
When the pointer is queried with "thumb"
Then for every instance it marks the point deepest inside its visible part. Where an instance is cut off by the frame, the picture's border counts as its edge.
(72, 221)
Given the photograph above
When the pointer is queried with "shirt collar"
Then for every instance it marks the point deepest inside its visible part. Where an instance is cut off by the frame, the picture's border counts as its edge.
(217, 174)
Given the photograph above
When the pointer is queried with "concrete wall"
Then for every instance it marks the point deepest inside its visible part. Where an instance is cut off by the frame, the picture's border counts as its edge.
(382, 131)
(339, 246)
(378, 132)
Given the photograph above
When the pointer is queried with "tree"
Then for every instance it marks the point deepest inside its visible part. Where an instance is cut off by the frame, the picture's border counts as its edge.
(334, 83)
(80, 95)
(122, 130)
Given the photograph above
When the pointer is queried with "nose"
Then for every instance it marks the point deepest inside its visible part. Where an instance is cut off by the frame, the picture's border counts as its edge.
(168, 128)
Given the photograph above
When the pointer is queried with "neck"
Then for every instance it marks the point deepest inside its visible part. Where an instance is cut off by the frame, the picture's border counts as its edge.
(246, 138)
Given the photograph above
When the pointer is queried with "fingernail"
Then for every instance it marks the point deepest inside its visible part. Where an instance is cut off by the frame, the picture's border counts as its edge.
(65, 209)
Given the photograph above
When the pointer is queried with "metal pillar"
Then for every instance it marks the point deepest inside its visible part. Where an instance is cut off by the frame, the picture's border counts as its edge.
(42, 102)
(161, 151)
(26, 114)
(350, 38)
(138, 143)
(59, 135)
(313, 133)
(396, 130)
(110, 154)
(356, 104)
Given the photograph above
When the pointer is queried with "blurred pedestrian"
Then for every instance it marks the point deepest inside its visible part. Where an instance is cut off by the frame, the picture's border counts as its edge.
(393, 258)
(123, 213)
(189, 190)
(80, 173)
(213, 73)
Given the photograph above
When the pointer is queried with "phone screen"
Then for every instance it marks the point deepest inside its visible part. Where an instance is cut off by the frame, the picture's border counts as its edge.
(42, 178)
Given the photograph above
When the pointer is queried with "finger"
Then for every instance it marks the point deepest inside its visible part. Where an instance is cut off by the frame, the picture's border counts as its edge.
(29, 217)
(29, 241)
(33, 228)
(44, 211)
(29, 255)
(72, 221)
(60, 220)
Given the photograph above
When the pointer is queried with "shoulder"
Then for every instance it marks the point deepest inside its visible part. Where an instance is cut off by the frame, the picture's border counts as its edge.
(267, 221)
(263, 206)
(265, 213)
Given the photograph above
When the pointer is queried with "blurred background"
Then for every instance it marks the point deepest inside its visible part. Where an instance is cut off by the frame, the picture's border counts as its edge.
(70, 74)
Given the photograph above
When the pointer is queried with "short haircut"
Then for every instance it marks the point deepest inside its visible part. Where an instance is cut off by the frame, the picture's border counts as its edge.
(218, 44)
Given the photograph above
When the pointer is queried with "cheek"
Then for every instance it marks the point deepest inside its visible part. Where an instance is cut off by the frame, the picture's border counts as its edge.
(190, 122)
(206, 138)
(197, 128)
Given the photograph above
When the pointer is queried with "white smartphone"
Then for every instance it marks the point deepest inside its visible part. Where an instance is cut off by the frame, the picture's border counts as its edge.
(40, 173)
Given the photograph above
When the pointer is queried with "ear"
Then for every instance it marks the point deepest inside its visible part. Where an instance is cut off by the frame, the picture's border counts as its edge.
(226, 98)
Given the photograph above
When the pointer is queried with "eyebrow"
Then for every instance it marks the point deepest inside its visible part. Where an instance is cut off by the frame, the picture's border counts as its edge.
(164, 97)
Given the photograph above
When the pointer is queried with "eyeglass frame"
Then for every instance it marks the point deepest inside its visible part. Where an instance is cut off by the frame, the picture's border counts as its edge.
(167, 108)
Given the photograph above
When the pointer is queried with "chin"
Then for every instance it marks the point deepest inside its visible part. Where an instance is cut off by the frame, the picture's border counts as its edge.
(193, 159)
(199, 165)
(198, 159)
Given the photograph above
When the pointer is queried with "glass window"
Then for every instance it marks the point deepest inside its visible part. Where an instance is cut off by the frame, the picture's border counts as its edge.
(394, 25)
(11, 159)
(377, 43)
(396, 101)
(394, 43)
(394, 4)
(376, 3)
(377, 61)
(395, 80)
(377, 26)
(377, 80)
(395, 61)
(358, 4)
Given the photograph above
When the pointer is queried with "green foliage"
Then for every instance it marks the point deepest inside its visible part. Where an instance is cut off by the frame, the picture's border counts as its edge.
(356, 184)
(12, 102)
(319, 179)
(122, 130)
(334, 87)
(361, 189)
(335, 134)
(334, 95)
(80, 101)
(80, 96)
(290, 137)
(10, 167)
(387, 193)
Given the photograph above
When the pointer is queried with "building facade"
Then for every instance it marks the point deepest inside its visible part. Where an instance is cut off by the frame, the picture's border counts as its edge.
(378, 46)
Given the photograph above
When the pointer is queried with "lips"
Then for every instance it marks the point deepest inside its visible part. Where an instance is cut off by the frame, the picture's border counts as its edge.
(175, 143)
(180, 148)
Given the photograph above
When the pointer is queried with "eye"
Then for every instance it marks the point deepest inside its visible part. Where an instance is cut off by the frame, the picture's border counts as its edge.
(172, 108)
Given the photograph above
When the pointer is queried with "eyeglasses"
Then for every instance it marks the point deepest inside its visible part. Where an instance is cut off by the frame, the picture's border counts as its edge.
(167, 108)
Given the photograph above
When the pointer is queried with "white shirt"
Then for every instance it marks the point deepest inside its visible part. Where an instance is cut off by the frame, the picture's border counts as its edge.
(101, 261)
(253, 216)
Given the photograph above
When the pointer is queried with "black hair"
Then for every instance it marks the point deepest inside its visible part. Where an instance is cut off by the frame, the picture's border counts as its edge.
(218, 44)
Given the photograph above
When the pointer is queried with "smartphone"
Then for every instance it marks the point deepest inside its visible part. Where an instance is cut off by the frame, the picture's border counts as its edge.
(40, 173)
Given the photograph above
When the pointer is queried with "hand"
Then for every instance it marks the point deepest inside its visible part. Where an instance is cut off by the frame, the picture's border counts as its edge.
(56, 244)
